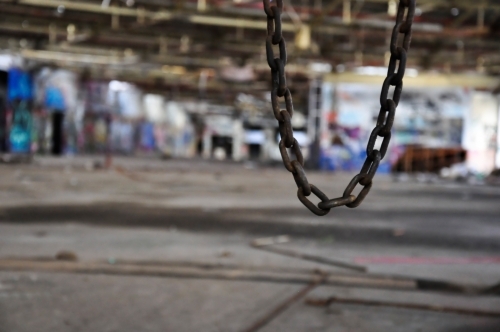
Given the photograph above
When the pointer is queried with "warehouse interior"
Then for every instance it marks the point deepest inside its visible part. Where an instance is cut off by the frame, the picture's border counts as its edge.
(142, 154)
(190, 79)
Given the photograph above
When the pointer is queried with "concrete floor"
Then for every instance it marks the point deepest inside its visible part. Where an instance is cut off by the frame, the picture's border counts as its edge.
(184, 212)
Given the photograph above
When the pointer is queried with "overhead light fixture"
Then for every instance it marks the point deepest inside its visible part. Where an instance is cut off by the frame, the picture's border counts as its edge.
(392, 8)
(71, 30)
(61, 9)
(382, 71)
(303, 37)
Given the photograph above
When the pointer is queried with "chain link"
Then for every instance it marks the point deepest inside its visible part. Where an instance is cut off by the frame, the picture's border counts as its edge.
(385, 120)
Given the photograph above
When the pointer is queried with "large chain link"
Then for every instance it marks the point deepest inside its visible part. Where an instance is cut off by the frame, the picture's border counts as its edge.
(404, 20)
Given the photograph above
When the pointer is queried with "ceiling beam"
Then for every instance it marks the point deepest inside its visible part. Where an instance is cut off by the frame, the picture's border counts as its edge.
(235, 22)
(423, 80)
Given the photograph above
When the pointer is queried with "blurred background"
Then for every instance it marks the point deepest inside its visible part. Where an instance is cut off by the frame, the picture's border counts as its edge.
(142, 188)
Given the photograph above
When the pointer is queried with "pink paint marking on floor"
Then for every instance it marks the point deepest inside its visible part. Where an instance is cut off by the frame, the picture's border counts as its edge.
(426, 260)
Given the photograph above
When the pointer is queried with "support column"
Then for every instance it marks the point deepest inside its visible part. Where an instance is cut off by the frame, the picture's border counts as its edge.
(237, 139)
(497, 154)
(314, 122)
(207, 144)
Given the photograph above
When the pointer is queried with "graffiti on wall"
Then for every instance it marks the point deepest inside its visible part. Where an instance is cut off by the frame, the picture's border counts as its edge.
(20, 94)
(431, 117)
(20, 131)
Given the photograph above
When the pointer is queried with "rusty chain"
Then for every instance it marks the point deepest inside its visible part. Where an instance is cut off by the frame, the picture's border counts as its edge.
(404, 20)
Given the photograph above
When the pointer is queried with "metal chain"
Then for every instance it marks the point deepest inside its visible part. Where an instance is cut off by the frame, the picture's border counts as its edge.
(404, 20)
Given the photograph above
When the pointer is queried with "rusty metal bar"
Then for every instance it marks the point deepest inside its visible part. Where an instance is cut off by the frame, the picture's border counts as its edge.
(320, 302)
(312, 258)
(280, 308)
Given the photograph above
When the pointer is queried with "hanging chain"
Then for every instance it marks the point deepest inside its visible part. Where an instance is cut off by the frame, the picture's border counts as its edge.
(273, 10)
